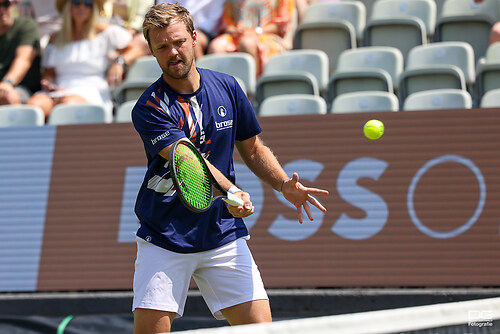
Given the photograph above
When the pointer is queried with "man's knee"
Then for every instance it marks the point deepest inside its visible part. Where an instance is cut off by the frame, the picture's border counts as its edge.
(248, 44)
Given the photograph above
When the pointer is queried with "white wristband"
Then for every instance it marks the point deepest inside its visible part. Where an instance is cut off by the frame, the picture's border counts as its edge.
(233, 190)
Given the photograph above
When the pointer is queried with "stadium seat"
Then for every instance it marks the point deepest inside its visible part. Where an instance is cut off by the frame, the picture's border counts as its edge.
(401, 24)
(21, 115)
(238, 64)
(369, 101)
(467, 21)
(79, 114)
(297, 82)
(357, 81)
(490, 99)
(493, 53)
(352, 11)
(488, 75)
(123, 113)
(438, 99)
(438, 65)
(143, 72)
(366, 68)
(488, 72)
(292, 104)
(331, 27)
(294, 72)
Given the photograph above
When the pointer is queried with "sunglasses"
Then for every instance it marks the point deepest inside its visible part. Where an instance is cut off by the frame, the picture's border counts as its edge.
(88, 3)
(5, 4)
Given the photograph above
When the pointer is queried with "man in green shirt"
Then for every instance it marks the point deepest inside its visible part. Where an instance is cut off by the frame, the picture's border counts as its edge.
(19, 56)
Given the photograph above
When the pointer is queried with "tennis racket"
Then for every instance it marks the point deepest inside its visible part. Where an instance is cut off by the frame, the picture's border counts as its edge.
(192, 179)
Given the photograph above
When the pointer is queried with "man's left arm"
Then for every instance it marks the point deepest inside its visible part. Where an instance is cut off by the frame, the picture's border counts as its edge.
(264, 164)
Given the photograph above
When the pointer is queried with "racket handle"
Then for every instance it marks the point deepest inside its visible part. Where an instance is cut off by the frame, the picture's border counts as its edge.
(233, 200)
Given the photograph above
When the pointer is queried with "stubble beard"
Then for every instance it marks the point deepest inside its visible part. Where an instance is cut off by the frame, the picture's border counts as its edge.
(179, 74)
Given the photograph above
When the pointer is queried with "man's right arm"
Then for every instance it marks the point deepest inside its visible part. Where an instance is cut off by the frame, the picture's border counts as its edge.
(25, 54)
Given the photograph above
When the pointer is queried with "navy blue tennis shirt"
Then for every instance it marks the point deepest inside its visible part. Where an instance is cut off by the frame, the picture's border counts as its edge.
(213, 117)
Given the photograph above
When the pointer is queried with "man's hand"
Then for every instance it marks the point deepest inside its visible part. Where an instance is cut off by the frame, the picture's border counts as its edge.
(299, 195)
(242, 211)
(7, 92)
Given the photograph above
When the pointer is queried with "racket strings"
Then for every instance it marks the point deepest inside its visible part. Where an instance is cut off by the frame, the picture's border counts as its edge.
(194, 179)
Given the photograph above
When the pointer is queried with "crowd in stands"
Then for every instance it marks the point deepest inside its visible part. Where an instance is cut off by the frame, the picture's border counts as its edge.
(78, 51)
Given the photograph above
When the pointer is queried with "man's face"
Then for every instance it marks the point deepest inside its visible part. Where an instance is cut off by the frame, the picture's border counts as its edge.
(173, 47)
(6, 14)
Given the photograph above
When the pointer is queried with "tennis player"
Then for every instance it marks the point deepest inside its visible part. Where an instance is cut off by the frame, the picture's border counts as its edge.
(173, 243)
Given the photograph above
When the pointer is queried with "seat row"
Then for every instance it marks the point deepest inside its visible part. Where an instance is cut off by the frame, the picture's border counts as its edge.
(367, 101)
(374, 101)
(63, 114)
(279, 105)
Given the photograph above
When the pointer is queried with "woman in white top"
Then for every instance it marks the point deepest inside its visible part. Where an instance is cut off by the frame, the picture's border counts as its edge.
(76, 64)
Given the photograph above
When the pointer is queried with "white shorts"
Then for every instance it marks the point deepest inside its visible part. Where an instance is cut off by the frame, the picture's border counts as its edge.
(226, 276)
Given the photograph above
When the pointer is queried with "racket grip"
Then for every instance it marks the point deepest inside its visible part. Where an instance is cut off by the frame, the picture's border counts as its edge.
(233, 200)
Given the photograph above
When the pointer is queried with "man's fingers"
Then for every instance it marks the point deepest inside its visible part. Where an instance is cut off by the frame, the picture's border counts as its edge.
(316, 203)
(316, 191)
(307, 208)
(241, 211)
(299, 214)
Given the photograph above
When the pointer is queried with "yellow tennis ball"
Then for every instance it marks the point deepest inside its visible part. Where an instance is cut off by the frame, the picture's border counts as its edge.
(373, 129)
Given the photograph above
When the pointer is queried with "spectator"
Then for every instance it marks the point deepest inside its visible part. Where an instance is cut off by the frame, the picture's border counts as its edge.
(19, 56)
(76, 59)
(207, 15)
(263, 29)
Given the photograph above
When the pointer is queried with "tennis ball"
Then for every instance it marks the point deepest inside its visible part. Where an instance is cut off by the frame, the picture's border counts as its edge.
(373, 129)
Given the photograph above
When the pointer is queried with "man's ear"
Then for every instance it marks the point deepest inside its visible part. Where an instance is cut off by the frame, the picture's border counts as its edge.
(195, 38)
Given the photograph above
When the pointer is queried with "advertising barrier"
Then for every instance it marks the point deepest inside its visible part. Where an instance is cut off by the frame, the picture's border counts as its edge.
(418, 207)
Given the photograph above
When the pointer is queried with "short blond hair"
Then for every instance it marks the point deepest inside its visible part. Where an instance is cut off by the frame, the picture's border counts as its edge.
(161, 15)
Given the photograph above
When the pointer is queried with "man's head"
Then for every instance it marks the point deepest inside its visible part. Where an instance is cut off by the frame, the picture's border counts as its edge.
(6, 14)
(171, 37)
(160, 16)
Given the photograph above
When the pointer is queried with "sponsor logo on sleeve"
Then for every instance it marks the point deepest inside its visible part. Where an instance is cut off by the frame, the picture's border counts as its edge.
(160, 137)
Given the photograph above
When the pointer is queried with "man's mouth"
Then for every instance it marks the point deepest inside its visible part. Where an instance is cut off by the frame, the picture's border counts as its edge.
(175, 62)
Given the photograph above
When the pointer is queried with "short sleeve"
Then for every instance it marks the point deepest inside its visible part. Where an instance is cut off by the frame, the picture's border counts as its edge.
(247, 125)
(30, 35)
(155, 127)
